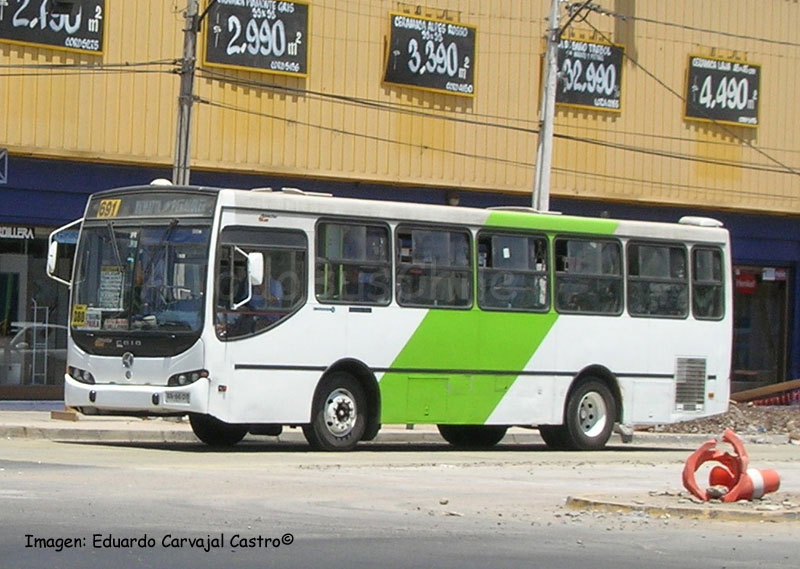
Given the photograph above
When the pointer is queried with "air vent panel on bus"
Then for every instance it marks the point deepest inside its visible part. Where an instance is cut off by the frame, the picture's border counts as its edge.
(690, 388)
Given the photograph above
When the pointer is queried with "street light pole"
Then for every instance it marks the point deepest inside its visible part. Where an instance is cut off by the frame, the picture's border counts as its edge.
(182, 163)
(544, 150)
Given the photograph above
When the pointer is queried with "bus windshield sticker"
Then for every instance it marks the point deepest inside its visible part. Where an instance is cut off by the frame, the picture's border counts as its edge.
(79, 315)
(110, 294)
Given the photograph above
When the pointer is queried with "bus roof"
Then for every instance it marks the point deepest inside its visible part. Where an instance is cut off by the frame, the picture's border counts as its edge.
(294, 200)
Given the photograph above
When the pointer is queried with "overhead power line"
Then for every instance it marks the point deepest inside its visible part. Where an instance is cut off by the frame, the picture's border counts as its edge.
(721, 126)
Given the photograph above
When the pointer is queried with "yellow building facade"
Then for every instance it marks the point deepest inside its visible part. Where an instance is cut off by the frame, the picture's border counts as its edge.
(663, 109)
(342, 120)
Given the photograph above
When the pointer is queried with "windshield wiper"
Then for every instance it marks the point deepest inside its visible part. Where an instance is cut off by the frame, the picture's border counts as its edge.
(115, 247)
(173, 223)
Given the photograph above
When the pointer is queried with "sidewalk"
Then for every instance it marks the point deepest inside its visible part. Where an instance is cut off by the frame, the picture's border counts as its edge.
(47, 420)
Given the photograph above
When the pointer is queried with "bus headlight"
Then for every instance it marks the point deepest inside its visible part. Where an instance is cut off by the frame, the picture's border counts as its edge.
(186, 378)
(80, 375)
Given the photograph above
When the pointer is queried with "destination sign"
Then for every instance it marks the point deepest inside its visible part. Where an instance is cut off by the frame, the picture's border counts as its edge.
(173, 204)
(79, 28)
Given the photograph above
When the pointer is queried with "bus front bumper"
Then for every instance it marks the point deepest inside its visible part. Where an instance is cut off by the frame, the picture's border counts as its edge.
(136, 400)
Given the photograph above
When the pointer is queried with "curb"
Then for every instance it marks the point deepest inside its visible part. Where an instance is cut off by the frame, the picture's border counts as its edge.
(83, 432)
(95, 435)
(709, 511)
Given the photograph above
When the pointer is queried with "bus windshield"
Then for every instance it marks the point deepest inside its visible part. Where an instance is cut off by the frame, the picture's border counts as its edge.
(140, 277)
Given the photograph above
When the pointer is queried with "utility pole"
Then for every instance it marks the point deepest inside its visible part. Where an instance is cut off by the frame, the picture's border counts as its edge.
(544, 149)
(182, 163)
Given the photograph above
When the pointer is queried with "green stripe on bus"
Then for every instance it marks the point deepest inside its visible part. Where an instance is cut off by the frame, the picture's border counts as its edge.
(550, 222)
(453, 340)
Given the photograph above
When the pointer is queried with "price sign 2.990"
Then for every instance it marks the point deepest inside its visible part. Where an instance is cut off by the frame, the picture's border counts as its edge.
(722, 90)
(431, 54)
(267, 36)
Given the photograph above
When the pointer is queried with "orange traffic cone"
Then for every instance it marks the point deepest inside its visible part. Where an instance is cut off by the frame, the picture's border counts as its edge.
(757, 483)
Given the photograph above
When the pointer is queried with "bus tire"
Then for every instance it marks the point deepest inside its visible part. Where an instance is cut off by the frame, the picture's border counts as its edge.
(555, 436)
(589, 416)
(216, 433)
(472, 436)
(338, 413)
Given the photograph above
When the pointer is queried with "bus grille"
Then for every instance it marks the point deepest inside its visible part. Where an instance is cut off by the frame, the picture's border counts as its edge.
(690, 389)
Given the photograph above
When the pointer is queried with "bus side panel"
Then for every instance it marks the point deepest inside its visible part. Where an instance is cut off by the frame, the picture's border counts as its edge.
(645, 366)
(273, 376)
(459, 365)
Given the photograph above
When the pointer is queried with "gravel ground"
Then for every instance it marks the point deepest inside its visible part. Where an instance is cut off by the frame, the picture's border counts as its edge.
(744, 419)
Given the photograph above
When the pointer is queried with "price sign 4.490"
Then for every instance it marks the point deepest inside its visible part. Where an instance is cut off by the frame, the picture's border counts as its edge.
(722, 90)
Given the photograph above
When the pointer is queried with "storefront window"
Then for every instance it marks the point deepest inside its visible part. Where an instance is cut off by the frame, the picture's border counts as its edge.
(33, 317)
(760, 321)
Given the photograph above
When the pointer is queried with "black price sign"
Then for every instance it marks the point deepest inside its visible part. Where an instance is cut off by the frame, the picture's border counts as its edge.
(431, 54)
(590, 75)
(266, 36)
(79, 28)
(722, 90)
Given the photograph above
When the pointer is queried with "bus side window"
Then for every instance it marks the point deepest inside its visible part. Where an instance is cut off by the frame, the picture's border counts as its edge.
(708, 293)
(434, 267)
(588, 276)
(353, 264)
(512, 272)
(657, 280)
(278, 296)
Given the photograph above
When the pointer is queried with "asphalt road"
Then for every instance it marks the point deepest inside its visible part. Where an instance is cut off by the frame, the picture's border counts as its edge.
(265, 506)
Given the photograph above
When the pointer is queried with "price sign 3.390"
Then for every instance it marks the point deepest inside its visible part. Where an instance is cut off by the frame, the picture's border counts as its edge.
(431, 54)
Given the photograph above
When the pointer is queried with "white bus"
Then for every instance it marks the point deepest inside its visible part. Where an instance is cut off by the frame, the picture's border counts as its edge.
(252, 310)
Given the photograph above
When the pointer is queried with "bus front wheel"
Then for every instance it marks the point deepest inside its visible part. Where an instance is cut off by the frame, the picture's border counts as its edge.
(472, 436)
(338, 413)
(216, 433)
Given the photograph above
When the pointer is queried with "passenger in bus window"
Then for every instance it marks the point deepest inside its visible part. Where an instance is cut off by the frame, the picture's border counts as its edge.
(262, 299)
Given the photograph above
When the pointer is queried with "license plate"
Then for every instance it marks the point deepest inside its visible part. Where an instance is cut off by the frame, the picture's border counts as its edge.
(177, 397)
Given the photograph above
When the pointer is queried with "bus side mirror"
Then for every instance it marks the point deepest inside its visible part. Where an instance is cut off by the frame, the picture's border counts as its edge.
(255, 268)
(61, 252)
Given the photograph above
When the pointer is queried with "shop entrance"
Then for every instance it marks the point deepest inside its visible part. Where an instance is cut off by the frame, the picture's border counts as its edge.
(760, 307)
(33, 332)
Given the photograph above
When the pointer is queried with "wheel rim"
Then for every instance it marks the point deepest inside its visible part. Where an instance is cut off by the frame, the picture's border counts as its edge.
(340, 412)
(592, 414)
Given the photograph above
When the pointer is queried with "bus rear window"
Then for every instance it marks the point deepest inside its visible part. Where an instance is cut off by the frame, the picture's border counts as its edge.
(708, 297)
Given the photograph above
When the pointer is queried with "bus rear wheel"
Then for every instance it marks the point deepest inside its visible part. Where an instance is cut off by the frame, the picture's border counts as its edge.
(472, 436)
(338, 413)
(216, 433)
(591, 410)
